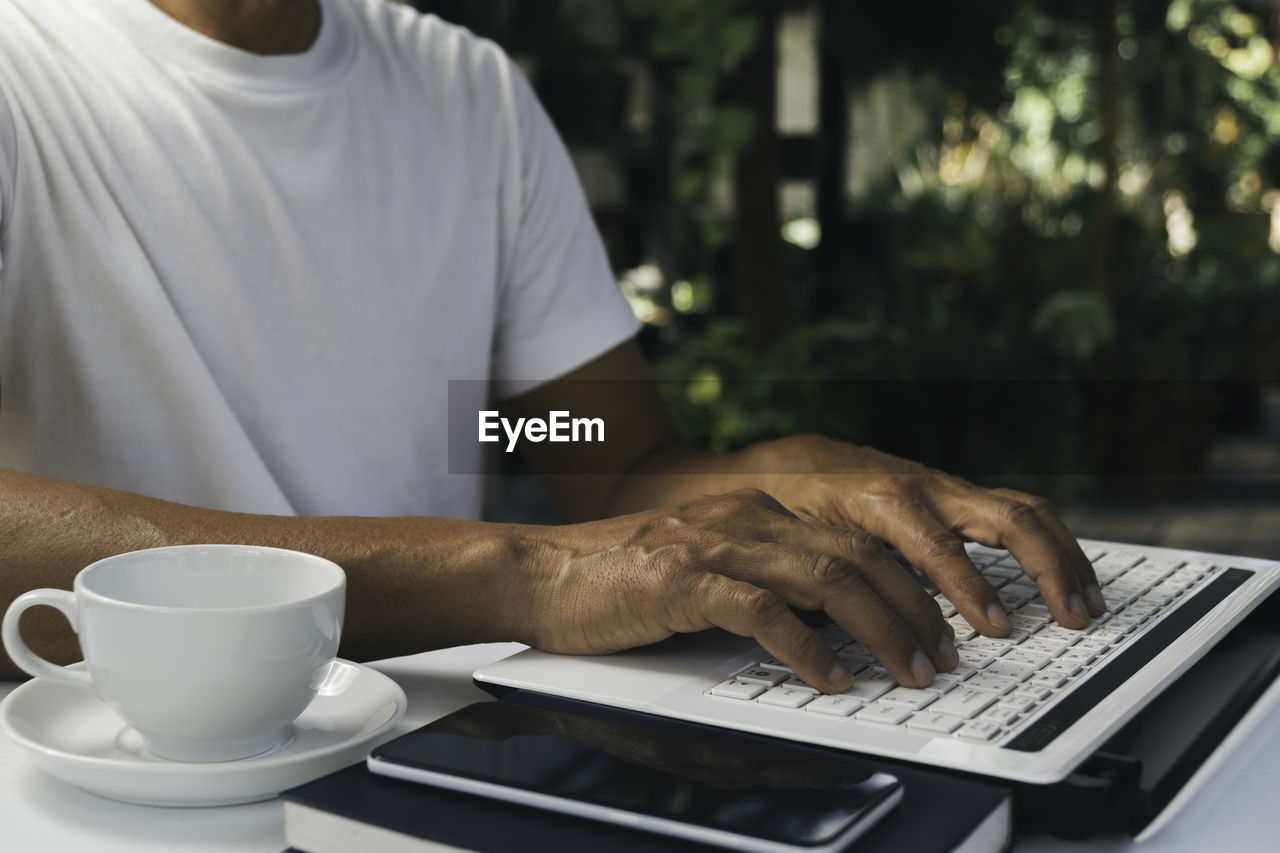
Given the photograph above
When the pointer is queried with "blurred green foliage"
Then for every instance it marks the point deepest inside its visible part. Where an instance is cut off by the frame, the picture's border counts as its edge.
(1056, 253)
(1112, 294)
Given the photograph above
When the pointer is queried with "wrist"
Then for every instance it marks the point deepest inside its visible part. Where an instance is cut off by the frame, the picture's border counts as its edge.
(774, 464)
(796, 471)
(528, 568)
(418, 583)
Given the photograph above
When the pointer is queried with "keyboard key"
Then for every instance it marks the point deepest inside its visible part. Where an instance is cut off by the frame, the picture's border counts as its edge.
(774, 663)
(890, 715)
(1011, 669)
(735, 689)
(963, 669)
(1029, 692)
(974, 658)
(1052, 648)
(1118, 598)
(945, 682)
(964, 703)
(1121, 560)
(1056, 632)
(1196, 568)
(1159, 596)
(768, 677)
(1027, 657)
(1161, 566)
(910, 697)
(978, 730)
(1015, 595)
(1107, 575)
(1030, 624)
(1077, 656)
(991, 683)
(1150, 570)
(796, 684)
(931, 722)
(871, 683)
(1017, 703)
(787, 697)
(988, 645)
(1127, 622)
(961, 626)
(1034, 610)
(834, 706)
(1061, 667)
(948, 609)
(1001, 715)
(1048, 680)
(1111, 635)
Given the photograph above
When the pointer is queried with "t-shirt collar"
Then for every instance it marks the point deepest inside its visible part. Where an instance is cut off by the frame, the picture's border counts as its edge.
(208, 59)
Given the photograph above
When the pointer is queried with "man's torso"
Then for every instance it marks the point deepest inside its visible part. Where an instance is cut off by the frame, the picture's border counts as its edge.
(241, 281)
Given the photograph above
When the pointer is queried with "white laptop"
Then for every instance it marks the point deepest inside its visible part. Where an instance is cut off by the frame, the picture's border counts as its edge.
(1028, 708)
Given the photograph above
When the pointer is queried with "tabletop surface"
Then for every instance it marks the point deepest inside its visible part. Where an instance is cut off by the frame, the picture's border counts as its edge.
(39, 814)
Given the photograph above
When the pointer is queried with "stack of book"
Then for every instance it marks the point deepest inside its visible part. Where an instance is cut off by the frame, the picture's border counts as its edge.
(355, 811)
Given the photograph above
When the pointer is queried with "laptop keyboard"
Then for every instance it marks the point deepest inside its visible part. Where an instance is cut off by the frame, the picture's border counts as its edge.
(1000, 685)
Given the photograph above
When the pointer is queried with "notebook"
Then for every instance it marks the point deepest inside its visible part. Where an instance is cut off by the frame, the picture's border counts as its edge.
(355, 811)
(1026, 708)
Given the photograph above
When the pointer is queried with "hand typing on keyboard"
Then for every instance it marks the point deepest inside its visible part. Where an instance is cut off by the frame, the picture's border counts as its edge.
(740, 561)
(996, 693)
(928, 515)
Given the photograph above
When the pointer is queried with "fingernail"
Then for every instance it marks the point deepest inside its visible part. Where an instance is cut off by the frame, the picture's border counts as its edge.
(1076, 605)
(1093, 595)
(921, 669)
(996, 616)
(840, 677)
(947, 654)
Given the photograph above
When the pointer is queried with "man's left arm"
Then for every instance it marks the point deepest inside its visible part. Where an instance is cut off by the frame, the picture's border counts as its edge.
(924, 513)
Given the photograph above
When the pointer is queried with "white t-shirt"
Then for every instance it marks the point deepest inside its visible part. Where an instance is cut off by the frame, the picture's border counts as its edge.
(244, 282)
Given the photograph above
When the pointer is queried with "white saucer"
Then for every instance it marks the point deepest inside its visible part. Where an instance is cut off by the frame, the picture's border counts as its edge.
(74, 736)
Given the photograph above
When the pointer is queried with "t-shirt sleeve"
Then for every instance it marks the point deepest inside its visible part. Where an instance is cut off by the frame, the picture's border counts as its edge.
(559, 305)
(8, 164)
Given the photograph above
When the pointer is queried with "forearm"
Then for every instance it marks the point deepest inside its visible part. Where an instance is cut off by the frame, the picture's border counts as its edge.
(413, 583)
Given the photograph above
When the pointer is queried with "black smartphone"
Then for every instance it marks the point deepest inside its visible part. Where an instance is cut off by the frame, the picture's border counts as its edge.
(681, 779)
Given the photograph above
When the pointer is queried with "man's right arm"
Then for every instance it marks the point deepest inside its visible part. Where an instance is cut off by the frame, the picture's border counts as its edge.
(412, 583)
(737, 561)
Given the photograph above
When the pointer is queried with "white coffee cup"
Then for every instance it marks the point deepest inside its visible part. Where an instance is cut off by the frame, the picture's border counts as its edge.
(209, 651)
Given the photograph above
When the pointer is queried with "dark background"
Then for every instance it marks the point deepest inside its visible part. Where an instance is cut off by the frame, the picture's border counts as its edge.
(1029, 243)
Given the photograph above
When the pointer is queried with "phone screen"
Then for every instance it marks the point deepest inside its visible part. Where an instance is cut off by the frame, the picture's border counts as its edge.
(677, 775)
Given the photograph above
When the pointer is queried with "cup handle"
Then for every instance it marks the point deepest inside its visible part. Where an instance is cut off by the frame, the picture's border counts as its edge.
(29, 660)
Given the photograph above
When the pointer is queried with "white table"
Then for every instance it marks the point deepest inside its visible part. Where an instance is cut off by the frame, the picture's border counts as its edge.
(39, 814)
